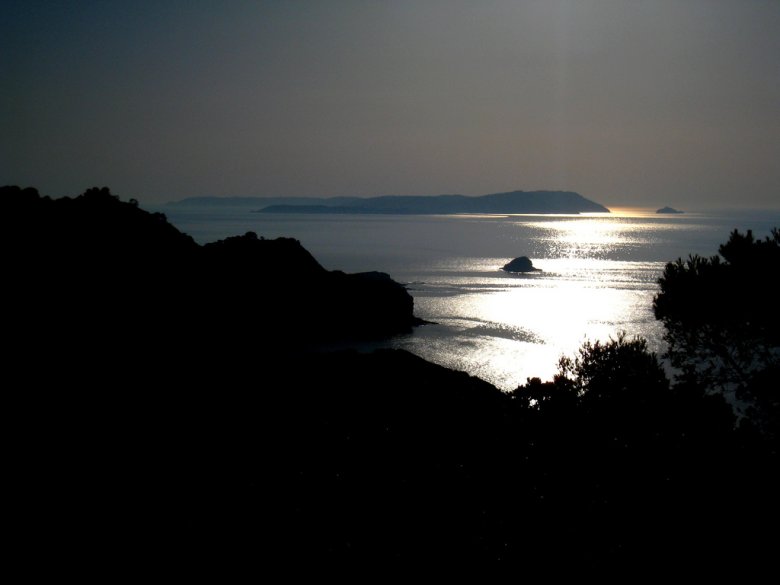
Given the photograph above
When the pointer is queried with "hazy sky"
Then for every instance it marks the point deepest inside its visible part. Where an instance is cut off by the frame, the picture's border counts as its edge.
(645, 102)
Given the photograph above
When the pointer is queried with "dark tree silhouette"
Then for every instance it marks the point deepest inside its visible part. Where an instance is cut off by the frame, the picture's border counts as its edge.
(722, 320)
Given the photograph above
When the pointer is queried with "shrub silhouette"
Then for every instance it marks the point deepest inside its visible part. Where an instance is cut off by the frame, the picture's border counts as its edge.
(613, 370)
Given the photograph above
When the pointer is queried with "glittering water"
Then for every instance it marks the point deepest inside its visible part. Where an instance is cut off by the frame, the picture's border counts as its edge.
(598, 274)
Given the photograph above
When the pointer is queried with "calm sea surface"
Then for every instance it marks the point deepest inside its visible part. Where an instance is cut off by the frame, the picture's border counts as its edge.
(598, 275)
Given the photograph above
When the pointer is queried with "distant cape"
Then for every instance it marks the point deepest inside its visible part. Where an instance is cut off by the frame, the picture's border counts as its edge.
(561, 202)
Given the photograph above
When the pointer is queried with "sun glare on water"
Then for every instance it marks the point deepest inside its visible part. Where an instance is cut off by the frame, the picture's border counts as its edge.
(532, 319)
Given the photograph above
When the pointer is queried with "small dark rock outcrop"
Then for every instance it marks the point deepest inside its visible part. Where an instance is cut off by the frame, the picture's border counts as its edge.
(668, 209)
(521, 264)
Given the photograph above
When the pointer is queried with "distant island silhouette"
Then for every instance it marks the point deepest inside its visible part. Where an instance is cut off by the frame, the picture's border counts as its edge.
(668, 210)
(560, 202)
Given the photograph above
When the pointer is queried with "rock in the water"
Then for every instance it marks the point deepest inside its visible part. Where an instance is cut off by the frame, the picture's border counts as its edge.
(521, 264)
(668, 209)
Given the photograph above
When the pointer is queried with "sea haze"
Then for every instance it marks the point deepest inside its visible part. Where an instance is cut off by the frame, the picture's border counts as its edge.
(598, 274)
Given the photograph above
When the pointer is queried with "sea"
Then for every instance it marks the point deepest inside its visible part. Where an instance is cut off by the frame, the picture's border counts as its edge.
(598, 274)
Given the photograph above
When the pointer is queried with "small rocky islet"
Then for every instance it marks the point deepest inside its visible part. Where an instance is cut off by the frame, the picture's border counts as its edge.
(520, 264)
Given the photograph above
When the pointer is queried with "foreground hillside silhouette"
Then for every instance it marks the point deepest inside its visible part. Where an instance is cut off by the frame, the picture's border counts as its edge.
(171, 417)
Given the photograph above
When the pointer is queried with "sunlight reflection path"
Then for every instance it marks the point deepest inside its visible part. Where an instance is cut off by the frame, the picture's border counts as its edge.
(511, 327)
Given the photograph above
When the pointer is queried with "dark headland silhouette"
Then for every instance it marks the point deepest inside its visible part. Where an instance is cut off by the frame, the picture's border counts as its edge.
(166, 408)
(106, 250)
(561, 202)
(668, 210)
